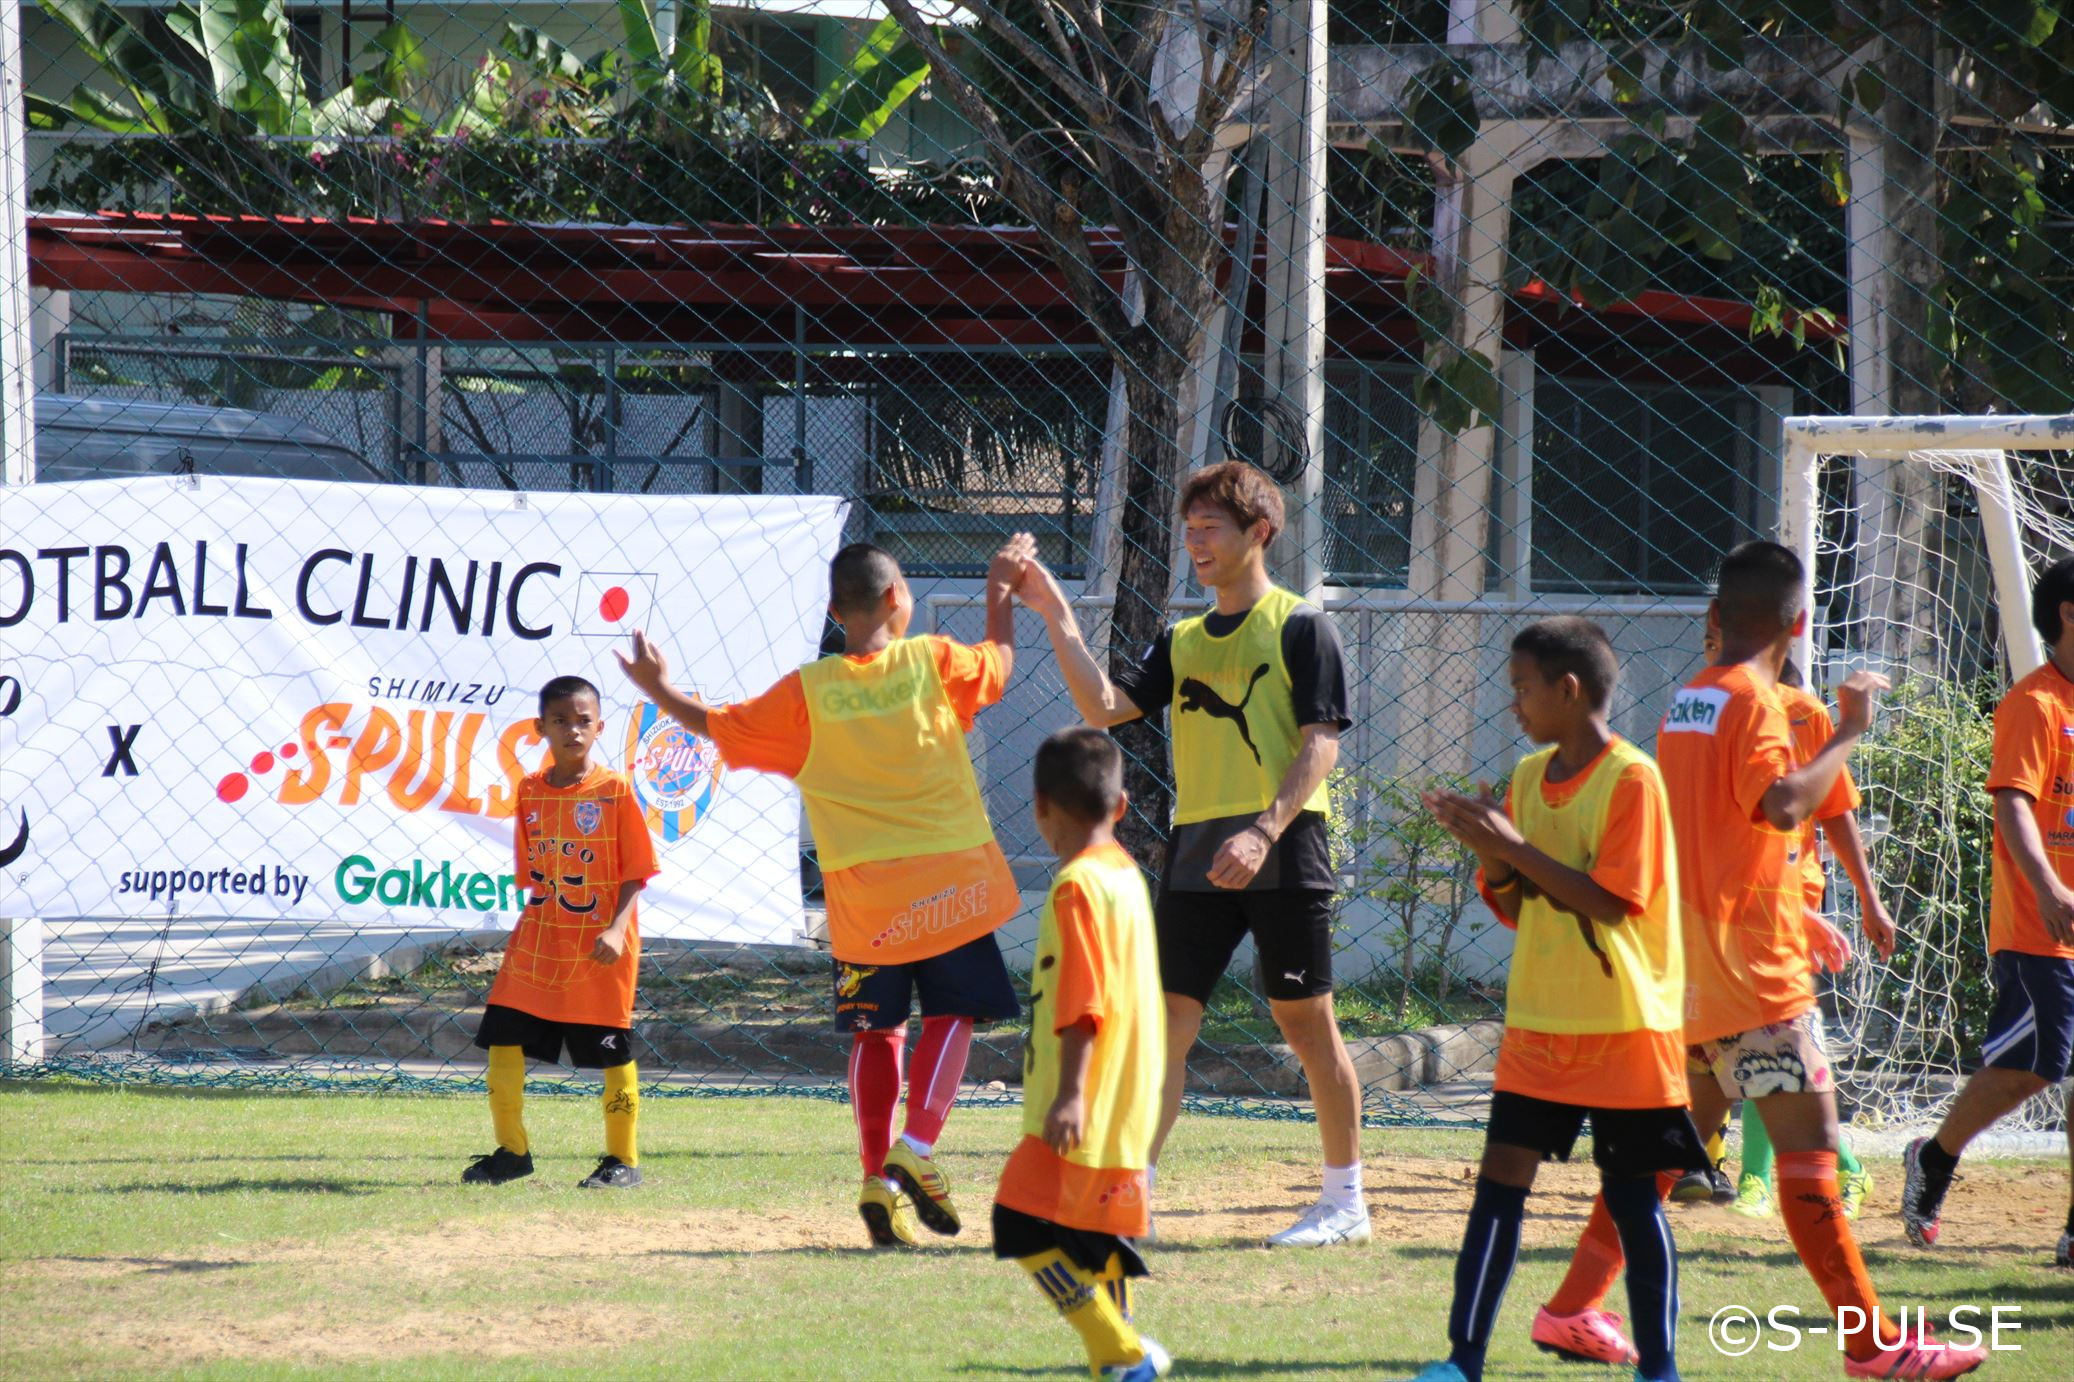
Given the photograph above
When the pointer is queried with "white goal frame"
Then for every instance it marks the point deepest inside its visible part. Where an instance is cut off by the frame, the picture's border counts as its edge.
(1977, 443)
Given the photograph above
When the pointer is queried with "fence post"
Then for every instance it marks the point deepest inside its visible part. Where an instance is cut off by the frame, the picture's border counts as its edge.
(21, 938)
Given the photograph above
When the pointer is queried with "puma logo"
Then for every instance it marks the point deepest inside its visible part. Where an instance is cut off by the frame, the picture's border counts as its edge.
(1196, 695)
(1585, 927)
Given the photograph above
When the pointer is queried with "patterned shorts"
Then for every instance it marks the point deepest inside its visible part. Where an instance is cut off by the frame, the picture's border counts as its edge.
(1777, 1058)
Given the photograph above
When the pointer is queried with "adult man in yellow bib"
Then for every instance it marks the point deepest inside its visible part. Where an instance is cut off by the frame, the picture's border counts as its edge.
(1257, 694)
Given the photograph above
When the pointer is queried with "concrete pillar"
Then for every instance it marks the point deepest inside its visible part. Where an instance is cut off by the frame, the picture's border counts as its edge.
(1293, 324)
(50, 316)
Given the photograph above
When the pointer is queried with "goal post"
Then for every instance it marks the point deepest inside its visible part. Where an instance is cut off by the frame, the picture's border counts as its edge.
(1921, 536)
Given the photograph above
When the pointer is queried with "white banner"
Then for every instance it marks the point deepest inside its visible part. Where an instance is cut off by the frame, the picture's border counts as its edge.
(273, 698)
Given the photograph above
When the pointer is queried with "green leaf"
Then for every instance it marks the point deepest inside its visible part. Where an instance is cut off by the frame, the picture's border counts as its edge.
(1867, 89)
(1442, 112)
(644, 45)
(694, 60)
(872, 86)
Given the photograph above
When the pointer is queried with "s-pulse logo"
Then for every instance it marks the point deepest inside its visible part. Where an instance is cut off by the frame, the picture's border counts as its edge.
(1696, 710)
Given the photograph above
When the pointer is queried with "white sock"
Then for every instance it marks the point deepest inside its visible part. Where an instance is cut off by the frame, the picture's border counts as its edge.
(920, 1149)
(1151, 1178)
(892, 1186)
(1343, 1186)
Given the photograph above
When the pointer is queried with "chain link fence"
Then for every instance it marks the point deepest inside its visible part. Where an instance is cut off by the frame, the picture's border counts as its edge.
(1512, 297)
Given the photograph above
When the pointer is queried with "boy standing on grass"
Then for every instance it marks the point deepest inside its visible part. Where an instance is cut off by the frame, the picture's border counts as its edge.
(567, 980)
(1838, 820)
(2030, 1040)
(1073, 1194)
(916, 884)
(1738, 799)
(1255, 692)
(1578, 857)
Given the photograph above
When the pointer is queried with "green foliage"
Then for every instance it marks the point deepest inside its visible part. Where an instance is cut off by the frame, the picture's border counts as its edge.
(1921, 772)
(540, 133)
(1402, 859)
(2002, 313)
(1457, 388)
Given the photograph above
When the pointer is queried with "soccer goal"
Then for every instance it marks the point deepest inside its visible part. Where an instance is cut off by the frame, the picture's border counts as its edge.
(1921, 536)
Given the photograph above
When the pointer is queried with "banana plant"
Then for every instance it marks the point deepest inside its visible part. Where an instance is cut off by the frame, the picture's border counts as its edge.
(223, 69)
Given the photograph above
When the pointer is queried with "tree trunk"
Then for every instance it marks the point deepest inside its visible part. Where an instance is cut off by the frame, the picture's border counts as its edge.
(1145, 577)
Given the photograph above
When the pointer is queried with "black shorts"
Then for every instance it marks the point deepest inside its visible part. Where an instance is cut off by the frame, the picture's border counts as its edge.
(1018, 1235)
(1291, 928)
(590, 1048)
(1625, 1141)
(2032, 1026)
(970, 981)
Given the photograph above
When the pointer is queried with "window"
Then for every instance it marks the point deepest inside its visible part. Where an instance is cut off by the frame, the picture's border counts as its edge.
(1638, 489)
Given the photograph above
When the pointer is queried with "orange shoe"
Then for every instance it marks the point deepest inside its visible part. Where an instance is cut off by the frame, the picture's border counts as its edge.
(1589, 1336)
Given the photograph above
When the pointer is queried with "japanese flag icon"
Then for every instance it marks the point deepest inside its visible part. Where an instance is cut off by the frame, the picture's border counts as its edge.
(611, 604)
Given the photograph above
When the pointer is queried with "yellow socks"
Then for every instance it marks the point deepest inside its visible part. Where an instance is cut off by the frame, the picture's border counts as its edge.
(1087, 1304)
(507, 1081)
(1716, 1148)
(622, 1112)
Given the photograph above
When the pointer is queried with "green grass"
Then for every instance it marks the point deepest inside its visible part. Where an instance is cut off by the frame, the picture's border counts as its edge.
(208, 1234)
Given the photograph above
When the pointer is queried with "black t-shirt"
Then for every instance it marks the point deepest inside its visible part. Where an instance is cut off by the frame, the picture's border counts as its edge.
(1318, 689)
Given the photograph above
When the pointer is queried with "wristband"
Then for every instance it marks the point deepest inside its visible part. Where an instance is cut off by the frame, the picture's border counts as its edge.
(1257, 826)
(1511, 882)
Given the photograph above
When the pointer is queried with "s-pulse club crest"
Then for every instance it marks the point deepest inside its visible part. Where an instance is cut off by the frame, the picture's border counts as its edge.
(589, 816)
(676, 774)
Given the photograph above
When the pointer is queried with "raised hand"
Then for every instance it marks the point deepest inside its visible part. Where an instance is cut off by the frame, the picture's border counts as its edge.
(647, 668)
(1855, 701)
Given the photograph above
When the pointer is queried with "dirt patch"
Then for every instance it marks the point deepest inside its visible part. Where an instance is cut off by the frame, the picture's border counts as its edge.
(2004, 1208)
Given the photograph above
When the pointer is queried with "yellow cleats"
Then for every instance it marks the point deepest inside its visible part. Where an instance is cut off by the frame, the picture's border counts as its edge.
(927, 1186)
(887, 1215)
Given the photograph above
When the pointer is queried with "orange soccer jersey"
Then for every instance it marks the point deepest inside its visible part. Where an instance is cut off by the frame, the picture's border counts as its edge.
(888, 911)
(1812, 730)
(1638, 1068)
(575, 846)
(1724, 743)
(2034, 754)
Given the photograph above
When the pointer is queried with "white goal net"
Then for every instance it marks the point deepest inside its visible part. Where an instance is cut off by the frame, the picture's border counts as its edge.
(1923, 536)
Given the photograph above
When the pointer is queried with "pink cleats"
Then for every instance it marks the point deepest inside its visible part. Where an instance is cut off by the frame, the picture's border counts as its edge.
(1591, 1336)
(1918, 1358)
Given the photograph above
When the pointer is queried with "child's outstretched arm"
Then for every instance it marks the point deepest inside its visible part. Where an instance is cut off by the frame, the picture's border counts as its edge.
(1099, 700)
(650, 671)
(1800, 793)
(1842, 834)
(612, 941)
(1482, 824)
(1003, 573)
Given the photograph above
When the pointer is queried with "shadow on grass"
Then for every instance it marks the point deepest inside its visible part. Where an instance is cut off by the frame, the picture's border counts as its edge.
(151, 1266)
(282, 1186)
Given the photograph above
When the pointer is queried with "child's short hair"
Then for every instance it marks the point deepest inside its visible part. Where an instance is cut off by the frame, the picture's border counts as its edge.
(2054, 589)
(1761, 590)
(562, 688)
(1241, 490)
(1080, 771)
(859, 577)
(1572, 645)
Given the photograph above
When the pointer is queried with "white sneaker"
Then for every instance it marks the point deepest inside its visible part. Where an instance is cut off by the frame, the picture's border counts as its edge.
(1322, 1225)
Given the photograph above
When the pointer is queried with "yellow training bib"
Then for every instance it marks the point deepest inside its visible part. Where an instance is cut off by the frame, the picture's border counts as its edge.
(1232, 720)
(887, 775)
(1571, 974)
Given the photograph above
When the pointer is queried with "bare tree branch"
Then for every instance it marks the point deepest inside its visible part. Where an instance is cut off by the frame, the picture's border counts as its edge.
(1094, 104)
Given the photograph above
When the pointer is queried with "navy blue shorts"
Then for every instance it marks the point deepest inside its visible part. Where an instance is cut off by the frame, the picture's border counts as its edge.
(2032, 1027)
(970, 981)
